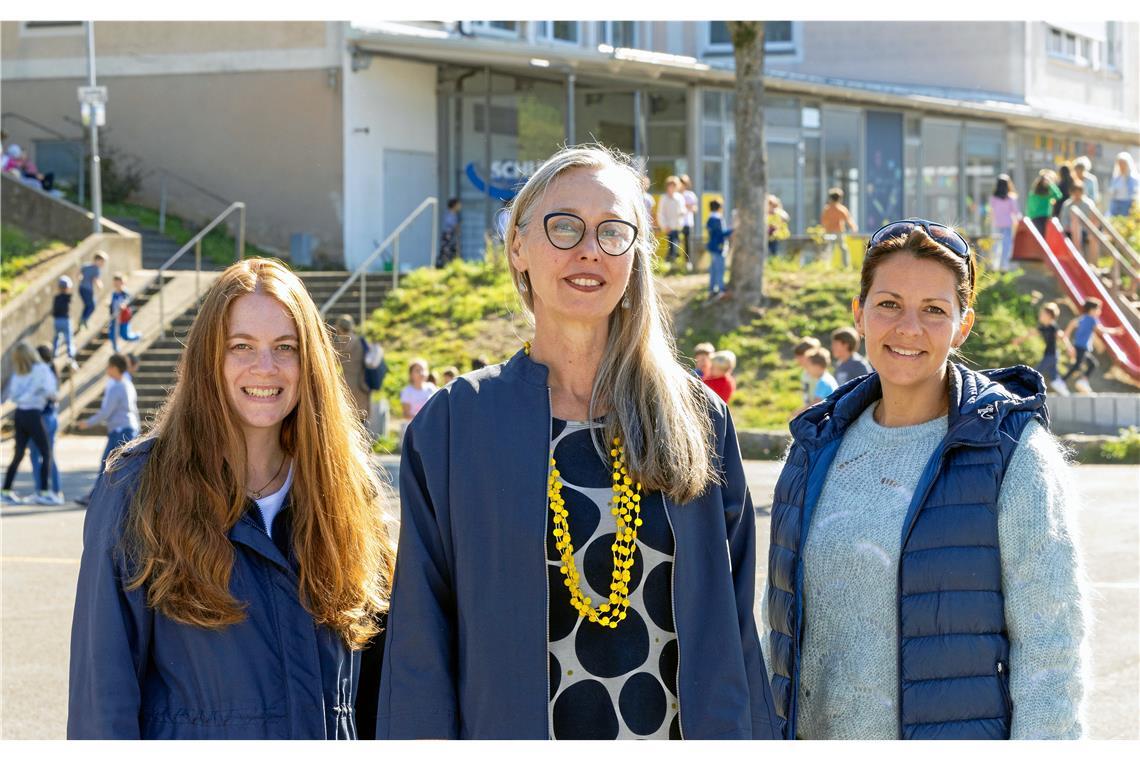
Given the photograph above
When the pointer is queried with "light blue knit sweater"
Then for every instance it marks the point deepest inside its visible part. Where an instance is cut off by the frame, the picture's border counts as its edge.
(849, 670)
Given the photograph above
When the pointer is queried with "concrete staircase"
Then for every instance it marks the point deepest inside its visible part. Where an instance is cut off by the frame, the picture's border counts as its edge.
(159, 361)
(157, 247)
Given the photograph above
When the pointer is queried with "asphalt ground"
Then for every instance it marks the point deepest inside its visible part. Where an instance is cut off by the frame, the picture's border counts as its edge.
(40, 549)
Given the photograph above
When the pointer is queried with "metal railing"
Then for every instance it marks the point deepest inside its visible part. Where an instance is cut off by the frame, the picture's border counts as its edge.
(1114, 233)
(1119, 261)
(393, 240)
(196, 243)
(165, 175)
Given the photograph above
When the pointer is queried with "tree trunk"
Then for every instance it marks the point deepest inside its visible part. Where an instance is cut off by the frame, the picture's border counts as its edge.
(750, 166)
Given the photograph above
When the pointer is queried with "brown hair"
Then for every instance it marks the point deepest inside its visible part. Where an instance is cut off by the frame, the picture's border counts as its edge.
(118, 361)
(820, 357)
(847, 336)
(192, 490)
(805, 345)
(1090, 305)
(921, 246)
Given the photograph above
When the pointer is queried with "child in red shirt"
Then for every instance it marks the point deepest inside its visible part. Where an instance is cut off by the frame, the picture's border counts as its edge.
(719, 376)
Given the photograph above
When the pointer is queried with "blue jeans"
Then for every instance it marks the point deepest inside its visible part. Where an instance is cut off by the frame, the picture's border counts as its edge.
(115, 438)
(62, 327)
(716, 273)
(88, 296)
(1006, 255)
(674, 243)
(121, 330)
(51, 423)
(1048, 367)
(1119, 207)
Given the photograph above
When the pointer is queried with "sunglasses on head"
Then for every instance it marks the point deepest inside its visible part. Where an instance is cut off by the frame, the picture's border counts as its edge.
(939, 233)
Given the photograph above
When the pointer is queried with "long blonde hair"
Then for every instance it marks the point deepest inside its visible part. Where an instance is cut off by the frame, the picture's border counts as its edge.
(24, 357)
(192, 487)
(657, 407)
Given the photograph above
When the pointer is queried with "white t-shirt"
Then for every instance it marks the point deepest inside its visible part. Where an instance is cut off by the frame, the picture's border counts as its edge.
(417, 398)
(690, 207)
(270, 505)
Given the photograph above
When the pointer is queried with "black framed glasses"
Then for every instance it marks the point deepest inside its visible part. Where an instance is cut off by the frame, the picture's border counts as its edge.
(565, 230)
(939, 233)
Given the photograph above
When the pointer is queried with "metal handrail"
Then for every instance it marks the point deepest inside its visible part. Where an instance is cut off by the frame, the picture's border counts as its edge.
(1118, 258)
(196, 243)
(393, 239)
(1115, 234)
(163, 175)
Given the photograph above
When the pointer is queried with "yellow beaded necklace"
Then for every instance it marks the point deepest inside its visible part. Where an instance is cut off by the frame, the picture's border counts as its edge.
(626, 508)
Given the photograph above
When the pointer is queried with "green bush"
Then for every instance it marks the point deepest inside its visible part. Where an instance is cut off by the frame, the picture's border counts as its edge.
(1124, 450)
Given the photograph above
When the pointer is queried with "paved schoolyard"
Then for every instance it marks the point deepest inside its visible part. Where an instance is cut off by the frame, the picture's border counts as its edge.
(40, 549)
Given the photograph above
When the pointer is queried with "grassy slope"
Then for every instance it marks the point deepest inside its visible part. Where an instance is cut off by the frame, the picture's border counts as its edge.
(20, 253)
(468, 309)
(217, 247)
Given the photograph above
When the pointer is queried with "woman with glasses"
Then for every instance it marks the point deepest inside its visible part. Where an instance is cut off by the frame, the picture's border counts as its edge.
(924, 580)
(558, 571)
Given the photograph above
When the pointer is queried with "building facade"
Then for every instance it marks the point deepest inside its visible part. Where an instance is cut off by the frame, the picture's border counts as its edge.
(340, 130)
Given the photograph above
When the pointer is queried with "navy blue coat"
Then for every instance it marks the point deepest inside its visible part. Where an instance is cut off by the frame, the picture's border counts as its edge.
(467, 646)
(137, 674)
(953, 648)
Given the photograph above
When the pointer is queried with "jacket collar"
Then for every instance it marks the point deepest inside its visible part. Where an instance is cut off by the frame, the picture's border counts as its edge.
(979, 401)
(521, 367)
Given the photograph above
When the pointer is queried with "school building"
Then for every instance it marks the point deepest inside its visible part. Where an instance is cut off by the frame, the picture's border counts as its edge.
(337, 130)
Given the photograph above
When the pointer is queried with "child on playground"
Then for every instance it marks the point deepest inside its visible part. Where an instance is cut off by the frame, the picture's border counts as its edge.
(837, 220)
(702, 355)
(717, 235)
(719, 377)
(800, 351)
(823, 382)
(1047, 327)
(1080, 333)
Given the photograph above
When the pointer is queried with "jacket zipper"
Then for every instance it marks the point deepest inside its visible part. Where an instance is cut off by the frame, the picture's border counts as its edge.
(1003, 684)
(545, 574)
(673, 604)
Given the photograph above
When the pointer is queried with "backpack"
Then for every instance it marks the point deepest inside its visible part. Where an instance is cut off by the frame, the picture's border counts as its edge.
(375, 368)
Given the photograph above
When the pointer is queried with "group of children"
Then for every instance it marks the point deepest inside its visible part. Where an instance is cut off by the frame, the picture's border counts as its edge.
(816, 381)
(90, 281)
(1077, 339)
(715, 368)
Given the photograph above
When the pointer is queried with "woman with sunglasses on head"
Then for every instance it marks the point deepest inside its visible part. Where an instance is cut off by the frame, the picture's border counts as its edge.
(235, 559)
(924, 580)
(558, 573)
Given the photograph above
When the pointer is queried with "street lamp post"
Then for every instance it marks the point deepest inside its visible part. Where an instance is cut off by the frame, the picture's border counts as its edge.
(96, 180)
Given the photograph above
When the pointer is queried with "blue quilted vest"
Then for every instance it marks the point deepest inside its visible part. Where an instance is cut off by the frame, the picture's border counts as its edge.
(953, 650)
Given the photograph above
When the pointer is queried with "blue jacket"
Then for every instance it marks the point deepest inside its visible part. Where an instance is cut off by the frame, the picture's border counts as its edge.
(953, 647)
(717, 233)
(467, 647)
(137, 674)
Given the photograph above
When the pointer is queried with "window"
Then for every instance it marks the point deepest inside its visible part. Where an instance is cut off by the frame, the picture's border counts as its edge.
(51, 28)
(559, 31)
(1088, 45)
(618, 33)
(779, 37)
(1112, 45)
(499, 28)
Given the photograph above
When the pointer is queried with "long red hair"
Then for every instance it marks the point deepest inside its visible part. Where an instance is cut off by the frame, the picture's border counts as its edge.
(192, 487)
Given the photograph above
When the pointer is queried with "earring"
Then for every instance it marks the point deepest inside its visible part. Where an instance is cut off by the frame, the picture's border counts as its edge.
(522, 284)
(625, 301)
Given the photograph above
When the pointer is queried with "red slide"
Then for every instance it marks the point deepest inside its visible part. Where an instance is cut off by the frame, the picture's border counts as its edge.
(1079, 281)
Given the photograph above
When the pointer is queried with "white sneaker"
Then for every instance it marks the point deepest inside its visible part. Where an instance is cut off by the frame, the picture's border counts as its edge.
(47, 498)
(9, 497)
(1083, 386)
(1059, 386)
(74, 365)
